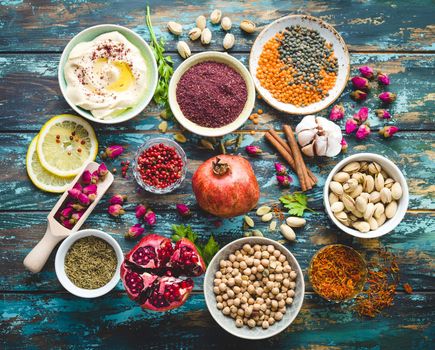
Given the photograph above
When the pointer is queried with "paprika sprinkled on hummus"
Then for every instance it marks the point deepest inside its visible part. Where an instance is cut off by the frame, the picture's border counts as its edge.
(211, 94)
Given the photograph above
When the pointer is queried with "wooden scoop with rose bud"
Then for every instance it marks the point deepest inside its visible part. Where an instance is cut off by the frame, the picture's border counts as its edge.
(56, 230)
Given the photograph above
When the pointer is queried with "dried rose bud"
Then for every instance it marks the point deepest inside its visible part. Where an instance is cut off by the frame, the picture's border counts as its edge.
(76, 217)
(284, 180)
(92, 196)
(84, 199)
(362, 115)
(366, 72)
(113, 151)
(118, 199)
(362, 132)
(351, 125)
(337, 113)
(383, 113)
(280, 169)
(86, 177)
(140, 211)
(77, 186)
(150, 218)
(183, 210)
(102, 170)
(134, 231)
(116, 210)
(75, 193)
(78, 207)
(388, 131)
(360, 83)
(344, 145)
(358, 95)
(253, 150)
(383, 79)
(94, 177)
(90, 189)
(67, 212)
(387, 97)
(67, 224)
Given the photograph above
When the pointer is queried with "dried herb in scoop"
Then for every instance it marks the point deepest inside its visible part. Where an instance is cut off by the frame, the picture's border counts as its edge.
(90, 263)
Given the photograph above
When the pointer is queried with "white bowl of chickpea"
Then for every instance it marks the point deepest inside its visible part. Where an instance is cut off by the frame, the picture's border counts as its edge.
(254, 288)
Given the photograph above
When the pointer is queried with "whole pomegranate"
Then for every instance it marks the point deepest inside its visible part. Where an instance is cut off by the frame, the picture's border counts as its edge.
(226, 186)
(151, 270)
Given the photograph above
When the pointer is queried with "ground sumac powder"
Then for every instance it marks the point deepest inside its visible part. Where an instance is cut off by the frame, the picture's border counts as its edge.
(211, 94)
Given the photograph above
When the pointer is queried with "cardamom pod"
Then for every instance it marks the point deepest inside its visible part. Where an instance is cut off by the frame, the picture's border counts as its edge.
(163, 126)
(180, 138)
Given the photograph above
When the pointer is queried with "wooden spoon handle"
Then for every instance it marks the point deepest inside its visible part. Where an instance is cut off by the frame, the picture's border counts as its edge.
(37, 258)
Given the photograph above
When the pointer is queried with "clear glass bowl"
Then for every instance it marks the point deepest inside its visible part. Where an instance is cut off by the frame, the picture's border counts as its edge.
(362, 266)
(148, 144)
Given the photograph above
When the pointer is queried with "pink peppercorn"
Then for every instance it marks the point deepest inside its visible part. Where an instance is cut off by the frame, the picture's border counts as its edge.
(160, 166)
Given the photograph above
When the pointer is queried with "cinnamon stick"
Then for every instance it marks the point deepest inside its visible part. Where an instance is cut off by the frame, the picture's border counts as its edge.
(301, 169)
(284, 144)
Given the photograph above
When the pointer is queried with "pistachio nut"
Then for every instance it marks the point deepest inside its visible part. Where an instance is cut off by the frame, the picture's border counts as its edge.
(226, 23)
(175, 28)
(336, 188)
(257, 233)
(183, 49)
(195, 33)
(388, 182)
(381, 220)
(247, 26)
(249, 221)
(355, 193)
(386, 196)
(294, 221)
(379, 182)
(287, 232)
(341, 177)
(201, 22)
(348, 201)
(267, 217)
(369, 183)
(379, 210)
(361, 226)
(361, 203)
(350, 185)
(341, 216)
(229, 41)
(206, 36)
(359, 177)
(373, 223)
(352, 167)
(396, 191)
(375, 197)
(370, 209)
(333, 198)
(357, 213)
(263, 210)
(391, 209)
(215, 16)
(336, 207)
(374, 168)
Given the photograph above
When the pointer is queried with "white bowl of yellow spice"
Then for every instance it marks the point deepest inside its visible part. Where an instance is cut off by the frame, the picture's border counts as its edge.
(88, 262)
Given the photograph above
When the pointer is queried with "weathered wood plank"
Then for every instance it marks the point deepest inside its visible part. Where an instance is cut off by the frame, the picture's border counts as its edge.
(61, 320)
(411, 241)
(35, 77)
(412, 152)
(368, 26)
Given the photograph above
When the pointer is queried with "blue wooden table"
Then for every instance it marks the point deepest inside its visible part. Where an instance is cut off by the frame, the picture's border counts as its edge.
(397, 37)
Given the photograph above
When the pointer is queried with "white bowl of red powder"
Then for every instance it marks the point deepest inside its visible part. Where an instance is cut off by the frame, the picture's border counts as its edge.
(211, 94)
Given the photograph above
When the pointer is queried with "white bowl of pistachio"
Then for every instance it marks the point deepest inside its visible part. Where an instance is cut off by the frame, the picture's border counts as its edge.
(366, 195)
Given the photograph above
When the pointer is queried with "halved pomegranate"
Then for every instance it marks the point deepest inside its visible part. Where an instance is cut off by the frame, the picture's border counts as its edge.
(153, 251)
(186, 260)
(149, 268)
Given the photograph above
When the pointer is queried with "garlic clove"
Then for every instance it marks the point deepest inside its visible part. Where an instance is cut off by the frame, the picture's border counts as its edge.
(308, 122)
(306, 136)
(308, 150)
(320, 145)
(333, 148)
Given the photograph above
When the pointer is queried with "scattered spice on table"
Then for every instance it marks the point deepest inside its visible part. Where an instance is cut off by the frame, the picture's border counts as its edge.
(211, 94)
(298, 66)
(382, 282)
(407, 287)
(337, 272)
(160, 166)
(90, 263)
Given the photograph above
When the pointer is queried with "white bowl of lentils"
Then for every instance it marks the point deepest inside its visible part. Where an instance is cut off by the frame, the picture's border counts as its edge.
(254, 288)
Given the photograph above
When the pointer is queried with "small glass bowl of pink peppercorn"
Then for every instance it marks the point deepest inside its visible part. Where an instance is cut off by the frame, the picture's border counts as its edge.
(160, 165)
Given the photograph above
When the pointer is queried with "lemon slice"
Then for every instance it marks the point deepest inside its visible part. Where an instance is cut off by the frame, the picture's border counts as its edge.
(65, 143)
(40, 177)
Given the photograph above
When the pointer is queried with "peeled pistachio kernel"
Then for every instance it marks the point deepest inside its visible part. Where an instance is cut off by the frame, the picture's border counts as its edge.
(249, 221)
(201, 22)
(195, 33)
(263, 210)
(386, 196)
(267, 217)
(216, 16)
(337, 207)
(341, 177)
(175, 28)
(336, 187)
(183, 49)
(362, 226)
(396, 191)
(391, 209)
(287, 232)
(206, 36)
(229, 41)
(226, 23)
(294, 221)
(352, 167)
(247, 26)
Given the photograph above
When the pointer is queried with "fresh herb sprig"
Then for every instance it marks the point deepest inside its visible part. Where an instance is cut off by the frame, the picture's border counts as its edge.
(207, 251)
(164, 64)
(296, 203)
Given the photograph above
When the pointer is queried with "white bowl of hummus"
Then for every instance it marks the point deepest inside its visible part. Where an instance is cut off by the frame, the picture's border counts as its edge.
(108, 74)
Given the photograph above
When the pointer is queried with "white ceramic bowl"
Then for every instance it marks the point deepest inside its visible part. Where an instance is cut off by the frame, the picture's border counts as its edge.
(216, 57)
(327, 32)
(227, 322)
(88, 35)
(393, 171)
(60, 264)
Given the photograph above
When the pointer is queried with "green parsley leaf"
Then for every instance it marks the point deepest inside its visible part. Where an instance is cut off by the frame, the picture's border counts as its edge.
(296, 203)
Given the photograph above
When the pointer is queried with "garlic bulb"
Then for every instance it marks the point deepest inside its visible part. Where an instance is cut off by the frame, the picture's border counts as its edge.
(319, 136)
